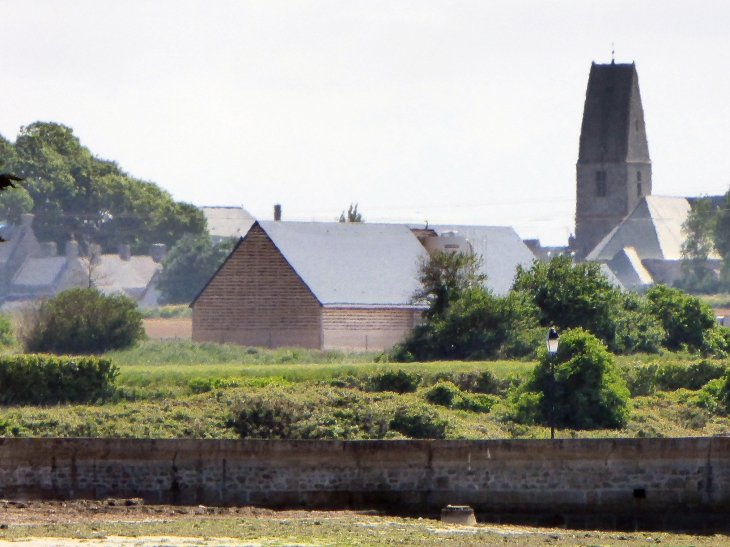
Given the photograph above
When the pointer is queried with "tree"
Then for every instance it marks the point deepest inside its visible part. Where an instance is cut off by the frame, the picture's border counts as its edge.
(74, 194)
(83, 321)
(721, 237)
(698, 231)
(352, 215)
(571, 295)
(189, 265)
(686, 320)
(445, 276)
(586, 393)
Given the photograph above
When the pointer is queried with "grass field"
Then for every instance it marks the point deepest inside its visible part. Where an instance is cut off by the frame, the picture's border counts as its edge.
(170, 389)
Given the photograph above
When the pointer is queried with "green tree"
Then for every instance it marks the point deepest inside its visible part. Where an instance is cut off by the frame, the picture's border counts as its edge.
(189, 265)
(83, 321)
(352, 215)
(445, 276)
(698, 231)
(686, 320)
(586, 393)
(73, 193)
(571, 295)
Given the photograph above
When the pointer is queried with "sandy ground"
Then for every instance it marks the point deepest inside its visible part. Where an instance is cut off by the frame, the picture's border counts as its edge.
(178, 327)
(130, 523)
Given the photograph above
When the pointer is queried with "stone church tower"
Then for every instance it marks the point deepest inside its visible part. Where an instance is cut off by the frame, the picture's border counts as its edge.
(613, 169)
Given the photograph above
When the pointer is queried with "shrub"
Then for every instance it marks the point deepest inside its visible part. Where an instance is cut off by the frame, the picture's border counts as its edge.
(587, 392)
(80, 321)
(6, 331)
(687, 321)
(263, 418)
(418, 422)
(443, 394)
(397, 381)
(636, 329)
(46, 379)
(645, 380)
(480, 381)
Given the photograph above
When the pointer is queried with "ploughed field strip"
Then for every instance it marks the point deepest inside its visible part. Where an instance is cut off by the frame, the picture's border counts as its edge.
(122, 523)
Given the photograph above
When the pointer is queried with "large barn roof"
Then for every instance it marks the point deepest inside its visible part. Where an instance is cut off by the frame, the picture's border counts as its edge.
(501, 250)
(359, 264)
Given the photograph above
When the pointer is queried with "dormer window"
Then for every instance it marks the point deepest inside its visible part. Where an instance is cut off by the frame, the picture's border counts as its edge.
(601, 184)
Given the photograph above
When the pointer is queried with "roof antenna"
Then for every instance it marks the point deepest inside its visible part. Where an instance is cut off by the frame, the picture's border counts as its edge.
(613, 55)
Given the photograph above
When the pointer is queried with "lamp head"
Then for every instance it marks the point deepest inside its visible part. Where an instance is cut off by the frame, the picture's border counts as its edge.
(552, 340)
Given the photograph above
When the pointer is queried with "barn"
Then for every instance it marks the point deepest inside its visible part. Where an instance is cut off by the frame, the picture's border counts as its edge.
(320, 285)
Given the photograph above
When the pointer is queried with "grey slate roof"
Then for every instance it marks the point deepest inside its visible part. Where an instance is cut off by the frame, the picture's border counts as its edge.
(39, 272)
(653, 229)
(612, 108)
(352, 264)
(501, 249)
(225, 222)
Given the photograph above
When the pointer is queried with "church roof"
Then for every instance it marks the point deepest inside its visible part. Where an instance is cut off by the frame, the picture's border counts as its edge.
(612, 109)
(653, 229)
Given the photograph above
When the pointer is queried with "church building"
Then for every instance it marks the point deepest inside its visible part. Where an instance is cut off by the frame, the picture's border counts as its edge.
(618, 222)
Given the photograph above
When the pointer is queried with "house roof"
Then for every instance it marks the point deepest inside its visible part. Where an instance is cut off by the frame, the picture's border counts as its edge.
(653, 229)
(360, 264)
(226, 222)
(36, 273)
(627, 267)
(501, 249)
(132, 276)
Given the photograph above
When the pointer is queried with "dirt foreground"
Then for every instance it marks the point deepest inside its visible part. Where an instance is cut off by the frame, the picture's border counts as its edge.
(122, 523)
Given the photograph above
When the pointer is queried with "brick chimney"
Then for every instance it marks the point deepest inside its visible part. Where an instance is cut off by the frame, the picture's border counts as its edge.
(26, 219)
(158, 251)
(277, 212)
(72, 249)
(125, 253)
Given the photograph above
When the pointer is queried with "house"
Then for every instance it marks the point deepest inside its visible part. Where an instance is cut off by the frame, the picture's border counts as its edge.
(227, 222)
(316, 285)
(46, 273)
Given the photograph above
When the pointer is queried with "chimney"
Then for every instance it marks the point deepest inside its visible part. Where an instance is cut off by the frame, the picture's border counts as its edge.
(158, 251)
(26, 219)
(48, 249)
(277, 212)
(125, 253)
(72, 249)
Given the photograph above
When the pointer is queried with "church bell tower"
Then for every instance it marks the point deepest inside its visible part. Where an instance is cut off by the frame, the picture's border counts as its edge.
(613, 169)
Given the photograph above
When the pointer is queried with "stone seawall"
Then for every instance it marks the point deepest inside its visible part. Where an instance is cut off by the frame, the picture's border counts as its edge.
(601, 483)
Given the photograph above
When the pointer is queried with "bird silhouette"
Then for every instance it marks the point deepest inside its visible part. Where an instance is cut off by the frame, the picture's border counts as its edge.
(7, 179)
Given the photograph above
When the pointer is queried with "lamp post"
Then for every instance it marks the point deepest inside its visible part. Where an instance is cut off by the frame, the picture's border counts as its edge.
(551, 341)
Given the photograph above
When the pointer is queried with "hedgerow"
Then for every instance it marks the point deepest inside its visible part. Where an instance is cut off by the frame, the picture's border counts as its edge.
(47, 379)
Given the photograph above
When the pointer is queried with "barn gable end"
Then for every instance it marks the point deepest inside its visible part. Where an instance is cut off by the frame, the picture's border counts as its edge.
(257, 299)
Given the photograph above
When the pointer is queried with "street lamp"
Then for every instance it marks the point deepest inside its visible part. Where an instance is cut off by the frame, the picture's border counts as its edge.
(551, 341)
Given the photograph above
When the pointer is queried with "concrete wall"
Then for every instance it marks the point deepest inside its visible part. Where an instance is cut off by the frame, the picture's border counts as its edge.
(257, 299)
(623, 483)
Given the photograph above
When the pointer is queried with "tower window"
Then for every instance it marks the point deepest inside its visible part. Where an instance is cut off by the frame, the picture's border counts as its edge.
(638, 176)
(638, 189)
(601, 184)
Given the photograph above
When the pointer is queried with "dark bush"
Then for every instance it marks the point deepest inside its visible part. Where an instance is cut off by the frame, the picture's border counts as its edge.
(418, 423)
(587, 391)
(480, 381)
(443, 394)
(398, 381)
(82, 321)
(47, 379)
(266, 419)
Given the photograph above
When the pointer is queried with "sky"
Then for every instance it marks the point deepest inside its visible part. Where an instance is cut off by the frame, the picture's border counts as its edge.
(447, 112)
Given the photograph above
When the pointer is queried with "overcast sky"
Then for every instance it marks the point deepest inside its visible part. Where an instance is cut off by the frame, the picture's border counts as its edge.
(451, 112)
